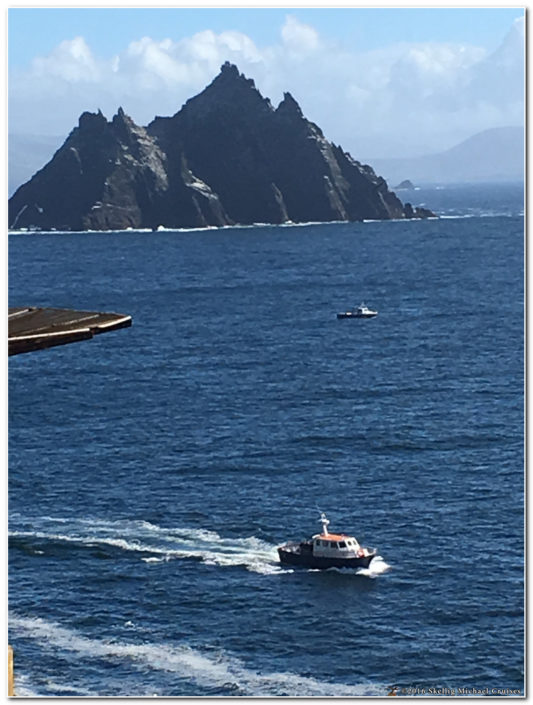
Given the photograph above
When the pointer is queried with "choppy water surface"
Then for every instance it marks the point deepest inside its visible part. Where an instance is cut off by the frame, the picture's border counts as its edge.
(154, 470)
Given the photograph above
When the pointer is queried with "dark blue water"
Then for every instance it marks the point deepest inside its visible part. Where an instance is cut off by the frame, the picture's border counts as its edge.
(154, 470)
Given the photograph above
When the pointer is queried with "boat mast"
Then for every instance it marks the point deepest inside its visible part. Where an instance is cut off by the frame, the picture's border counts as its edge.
(325, 523)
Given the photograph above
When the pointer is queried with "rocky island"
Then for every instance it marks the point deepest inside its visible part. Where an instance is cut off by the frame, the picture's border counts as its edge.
(405, 185)
(227, 157)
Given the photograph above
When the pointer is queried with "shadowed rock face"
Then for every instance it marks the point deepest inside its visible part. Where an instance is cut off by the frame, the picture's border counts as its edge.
(113, 175)
(226, 157)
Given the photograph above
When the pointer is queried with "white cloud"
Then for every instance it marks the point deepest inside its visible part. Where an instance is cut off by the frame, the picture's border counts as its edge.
(432, 67)
(298, 38)
(183, 66)
(71, 61)
(402, 99)
(152, 65)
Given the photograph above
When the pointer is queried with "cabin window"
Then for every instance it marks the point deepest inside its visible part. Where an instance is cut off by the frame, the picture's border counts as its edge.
(318, 542)
(334, 544)
(342, 544)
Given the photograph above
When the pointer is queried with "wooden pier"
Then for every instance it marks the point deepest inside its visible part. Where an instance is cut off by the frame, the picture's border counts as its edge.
(10, 676)
(37, 328)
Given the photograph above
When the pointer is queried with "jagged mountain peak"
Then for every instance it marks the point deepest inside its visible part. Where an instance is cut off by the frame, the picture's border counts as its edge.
(289, 106)
(123, 122)
(121, 115)
(226, 157)
(230, 72)
(231, 79)
(229, 88)
(91, 121)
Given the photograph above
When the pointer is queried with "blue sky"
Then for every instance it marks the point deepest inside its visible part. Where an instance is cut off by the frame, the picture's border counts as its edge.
(35, 31)
(379, 81)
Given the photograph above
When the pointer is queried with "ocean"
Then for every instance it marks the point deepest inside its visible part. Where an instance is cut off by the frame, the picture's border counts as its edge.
(153, 471)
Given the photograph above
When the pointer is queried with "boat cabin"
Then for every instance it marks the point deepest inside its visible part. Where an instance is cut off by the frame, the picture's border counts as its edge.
(363, 310)
(335, 545)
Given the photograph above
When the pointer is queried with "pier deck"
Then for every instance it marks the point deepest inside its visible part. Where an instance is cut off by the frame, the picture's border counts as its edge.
(34, 328)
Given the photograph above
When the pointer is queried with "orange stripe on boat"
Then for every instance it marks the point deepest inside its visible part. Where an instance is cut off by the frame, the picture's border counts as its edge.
(334, 537)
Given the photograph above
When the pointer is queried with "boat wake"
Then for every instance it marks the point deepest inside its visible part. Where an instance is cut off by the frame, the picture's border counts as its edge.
(207, 668)
(151, 543)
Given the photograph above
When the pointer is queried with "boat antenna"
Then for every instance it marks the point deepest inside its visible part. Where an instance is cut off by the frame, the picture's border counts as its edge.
(325, 521)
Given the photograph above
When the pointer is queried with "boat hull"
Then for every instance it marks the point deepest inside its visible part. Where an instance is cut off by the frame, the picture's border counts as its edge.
(308, 560)
(356, 315)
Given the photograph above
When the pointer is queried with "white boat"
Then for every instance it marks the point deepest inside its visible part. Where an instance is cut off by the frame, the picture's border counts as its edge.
(327, 550)
(361, 311)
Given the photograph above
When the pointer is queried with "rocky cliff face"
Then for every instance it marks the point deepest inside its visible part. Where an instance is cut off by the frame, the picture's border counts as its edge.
(226, 157)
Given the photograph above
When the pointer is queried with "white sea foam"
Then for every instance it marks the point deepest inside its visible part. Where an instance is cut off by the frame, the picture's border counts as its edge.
(131, 545)
(481, 214)
(377, 567)
(162, 544)
(457, 216)
(208, 669)
(23, 686)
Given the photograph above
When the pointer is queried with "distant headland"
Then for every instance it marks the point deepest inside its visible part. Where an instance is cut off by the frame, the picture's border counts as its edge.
(227, 157)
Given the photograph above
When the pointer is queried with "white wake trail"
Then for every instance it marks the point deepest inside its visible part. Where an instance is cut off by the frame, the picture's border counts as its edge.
(210, 670)
(158, 544)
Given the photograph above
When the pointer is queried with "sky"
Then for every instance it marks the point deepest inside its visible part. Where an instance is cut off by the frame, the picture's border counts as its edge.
(379, 81)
